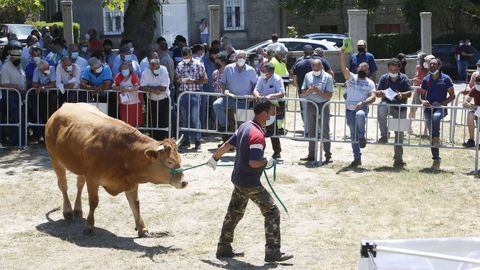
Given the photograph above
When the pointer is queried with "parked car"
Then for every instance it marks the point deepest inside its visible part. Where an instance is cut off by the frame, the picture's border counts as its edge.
(21, 30)
(337, 38)
(296, 44)
(446, 53)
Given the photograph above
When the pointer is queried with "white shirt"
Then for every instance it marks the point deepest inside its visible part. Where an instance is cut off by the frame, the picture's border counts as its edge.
(357, 90)
(276, 45)
(81, 63)
(12, 74)
(162, 79)
(65, 77)
(144, 64)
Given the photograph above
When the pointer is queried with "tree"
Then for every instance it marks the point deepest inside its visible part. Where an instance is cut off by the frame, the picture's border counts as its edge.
(27, 6)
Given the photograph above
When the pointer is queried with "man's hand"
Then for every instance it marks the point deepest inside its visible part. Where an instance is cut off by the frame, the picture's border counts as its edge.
(426, 104)
(342, 51)
(189, 81)
(212, 163)
(380, 93)
(270, 162)
(226, 92)
(359, 106)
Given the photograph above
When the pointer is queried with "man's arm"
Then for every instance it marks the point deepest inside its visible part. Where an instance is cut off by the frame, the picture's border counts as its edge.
(222, 150)
(468, 103)
(256, 164)
(343, 65)
(451, 97)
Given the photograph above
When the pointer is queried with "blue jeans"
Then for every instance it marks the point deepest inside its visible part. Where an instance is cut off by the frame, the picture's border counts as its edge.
(205, 38)
(220, 107)
(434, 120)
(16, 115)
(189, 116)
(356, 123)
(463, 70)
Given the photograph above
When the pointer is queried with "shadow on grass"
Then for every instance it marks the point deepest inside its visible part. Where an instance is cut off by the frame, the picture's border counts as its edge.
(352, 169)
(100, 238)
(429, 170)
(390, 169)
(232, 263)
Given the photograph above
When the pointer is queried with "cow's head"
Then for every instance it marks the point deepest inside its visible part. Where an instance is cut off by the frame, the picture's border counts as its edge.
(164, 162)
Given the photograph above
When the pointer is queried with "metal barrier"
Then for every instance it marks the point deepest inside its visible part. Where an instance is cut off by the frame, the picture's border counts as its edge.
(292, 128)
(338, 126)
(11, 101)
(41, 104)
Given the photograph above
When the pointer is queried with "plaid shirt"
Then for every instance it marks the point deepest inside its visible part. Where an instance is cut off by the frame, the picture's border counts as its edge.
(193, 70)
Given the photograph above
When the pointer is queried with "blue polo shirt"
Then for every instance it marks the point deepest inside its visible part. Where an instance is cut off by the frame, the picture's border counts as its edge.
(97, 79)
(239, 81)
(437, 90)
(300, 69)
(272, 85)
(400, 85)
(249, 139)
(358, 58)
(324, 82)
(29, 69)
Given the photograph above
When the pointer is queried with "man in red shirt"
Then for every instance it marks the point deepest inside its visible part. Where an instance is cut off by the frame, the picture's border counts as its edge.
(474, 96)
(94, 44)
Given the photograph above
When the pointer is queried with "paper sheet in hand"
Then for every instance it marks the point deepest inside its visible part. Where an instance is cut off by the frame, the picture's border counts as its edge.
(390, 94)
(477, 112)
(347, 44)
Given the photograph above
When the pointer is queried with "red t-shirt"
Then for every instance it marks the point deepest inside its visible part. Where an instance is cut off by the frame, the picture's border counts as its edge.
(95, 45)
(475, 95)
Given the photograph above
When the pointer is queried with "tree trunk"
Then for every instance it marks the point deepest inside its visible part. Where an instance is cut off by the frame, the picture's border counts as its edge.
(138, 24)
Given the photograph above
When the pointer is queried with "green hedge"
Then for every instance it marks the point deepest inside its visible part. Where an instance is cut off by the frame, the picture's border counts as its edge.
(384, 46)
(40, 24)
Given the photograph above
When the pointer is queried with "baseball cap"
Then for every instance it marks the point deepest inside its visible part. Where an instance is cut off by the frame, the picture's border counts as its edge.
(15, 53)
(361, 42)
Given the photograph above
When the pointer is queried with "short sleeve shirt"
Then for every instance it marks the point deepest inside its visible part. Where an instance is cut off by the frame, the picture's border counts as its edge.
(301, 68)
(194, 70)
(475, 94)
(249, 139)
(272, 85)
(239, 81)
(324, 82)
(367, 57)
(436, 89)
(42, 78)
(97, 79)
(357, 90)
(402, 84)
(162, 79)
(12, 74)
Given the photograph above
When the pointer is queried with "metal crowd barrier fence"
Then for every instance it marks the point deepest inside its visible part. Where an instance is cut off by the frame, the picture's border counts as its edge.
(134, 108)
(11, 118)
(400, 123)
(241, 107)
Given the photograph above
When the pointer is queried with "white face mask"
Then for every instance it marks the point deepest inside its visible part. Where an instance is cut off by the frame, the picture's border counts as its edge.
(187, 60)
(132, 49)
(201, 55)
(84, 49)
(125, 72)
(87, 36)
(241, 62)
(46, 72)
(425, 65)
(270, 120)
(99, 70)
(317, 73)
(156, 71)
(74, 55)
(477, 87)
(263, 75)
(69, 68)
(393, 75)
(36, 59)
(435, 72)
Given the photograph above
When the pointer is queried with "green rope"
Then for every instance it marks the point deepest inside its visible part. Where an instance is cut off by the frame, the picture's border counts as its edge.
(274, 167)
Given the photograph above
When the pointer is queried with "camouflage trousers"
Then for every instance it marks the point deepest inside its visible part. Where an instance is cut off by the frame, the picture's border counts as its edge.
(236, 209)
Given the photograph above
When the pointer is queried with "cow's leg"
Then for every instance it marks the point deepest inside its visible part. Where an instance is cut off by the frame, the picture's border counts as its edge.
(132, 197)
(92, 189)
(77, 210)
(62, 184)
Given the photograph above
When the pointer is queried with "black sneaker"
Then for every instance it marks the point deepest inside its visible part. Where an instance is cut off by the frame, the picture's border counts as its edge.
(469, 143)
(398, 163)
(307, 158)
(185, 144)
(277, 257)
(383, 139)
(226, 251)
(362, 142)
(198, 146)
(356, 163)
(328, 159)
(276, 156)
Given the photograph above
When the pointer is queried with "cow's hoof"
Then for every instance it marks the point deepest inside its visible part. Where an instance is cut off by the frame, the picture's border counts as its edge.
(144, 234)
(77, 213)
(68, 216)
(184, 184)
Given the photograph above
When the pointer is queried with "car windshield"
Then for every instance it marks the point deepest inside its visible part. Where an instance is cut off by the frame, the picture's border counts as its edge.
(21, 30)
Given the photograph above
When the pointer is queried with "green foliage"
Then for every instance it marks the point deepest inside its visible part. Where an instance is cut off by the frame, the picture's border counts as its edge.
(111, 4)
(59, 25)
(370, 5)
(27, 6)
(292, 31)
(309, 7)
(389, 45)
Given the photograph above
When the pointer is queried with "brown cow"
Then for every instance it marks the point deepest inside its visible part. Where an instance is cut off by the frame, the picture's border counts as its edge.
(103, 151)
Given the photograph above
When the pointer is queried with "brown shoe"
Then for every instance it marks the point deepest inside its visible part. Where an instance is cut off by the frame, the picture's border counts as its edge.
(277, 257)
(226, 251)
(436, 164)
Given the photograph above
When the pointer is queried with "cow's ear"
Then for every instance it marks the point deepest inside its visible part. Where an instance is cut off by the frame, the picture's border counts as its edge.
(151, 154)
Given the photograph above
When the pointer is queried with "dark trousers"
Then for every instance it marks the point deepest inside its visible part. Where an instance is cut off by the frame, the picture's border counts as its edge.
(236, 209)
(158, 117)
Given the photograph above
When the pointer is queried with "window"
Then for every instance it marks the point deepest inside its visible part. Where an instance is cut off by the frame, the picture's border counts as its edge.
(112, 21)
(387, 28)
(233, 14)
(329, 28)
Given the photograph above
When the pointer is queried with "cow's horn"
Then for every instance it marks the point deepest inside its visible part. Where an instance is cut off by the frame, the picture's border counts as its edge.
(161, 147)
(179, 140)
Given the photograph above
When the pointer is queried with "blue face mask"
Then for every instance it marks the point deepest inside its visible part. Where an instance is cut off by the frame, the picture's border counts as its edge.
(128, 57)
(125, 72)
(74, 55)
